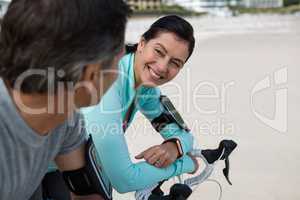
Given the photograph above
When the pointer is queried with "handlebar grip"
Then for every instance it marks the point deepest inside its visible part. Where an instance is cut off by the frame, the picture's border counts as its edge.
(180, 191)
(177, 192)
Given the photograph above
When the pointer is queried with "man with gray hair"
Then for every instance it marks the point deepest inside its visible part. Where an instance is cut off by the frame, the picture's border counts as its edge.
(55, 56)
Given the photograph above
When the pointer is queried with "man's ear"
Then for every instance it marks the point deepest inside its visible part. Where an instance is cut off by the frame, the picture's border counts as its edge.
(87, 88)
(90, 72)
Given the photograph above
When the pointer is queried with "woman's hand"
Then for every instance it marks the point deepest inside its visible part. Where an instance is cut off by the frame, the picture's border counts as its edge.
(160, 156)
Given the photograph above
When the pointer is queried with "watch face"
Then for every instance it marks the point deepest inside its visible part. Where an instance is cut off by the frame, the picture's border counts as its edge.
(179, 147)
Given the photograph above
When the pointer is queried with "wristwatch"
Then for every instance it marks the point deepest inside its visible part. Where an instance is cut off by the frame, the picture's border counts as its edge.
(178, 145)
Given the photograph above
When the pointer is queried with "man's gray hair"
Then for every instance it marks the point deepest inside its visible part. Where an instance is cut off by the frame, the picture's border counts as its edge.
(61, 35)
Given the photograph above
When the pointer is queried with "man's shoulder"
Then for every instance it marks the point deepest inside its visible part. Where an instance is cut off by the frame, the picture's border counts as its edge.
(70, 134)
(74, 120)
(72, 124)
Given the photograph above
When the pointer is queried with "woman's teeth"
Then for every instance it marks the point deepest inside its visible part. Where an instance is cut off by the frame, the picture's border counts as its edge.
(155, 75)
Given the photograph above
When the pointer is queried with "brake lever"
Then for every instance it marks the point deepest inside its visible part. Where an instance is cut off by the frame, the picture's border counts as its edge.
(226, 170)
(223, 152)
(229, 146)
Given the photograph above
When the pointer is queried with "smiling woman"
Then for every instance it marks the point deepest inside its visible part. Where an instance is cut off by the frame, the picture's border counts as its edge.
(162, 51)
(160, 59)
(156, 59)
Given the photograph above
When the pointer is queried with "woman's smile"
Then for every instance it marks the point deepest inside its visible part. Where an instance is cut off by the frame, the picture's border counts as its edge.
(153, 74)
(160, 59)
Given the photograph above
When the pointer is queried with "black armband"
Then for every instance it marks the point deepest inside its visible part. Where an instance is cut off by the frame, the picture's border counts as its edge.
(90, 179)
(168, 116)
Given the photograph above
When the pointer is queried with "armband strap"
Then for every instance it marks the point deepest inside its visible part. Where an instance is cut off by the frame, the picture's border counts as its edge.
(168, 116)
(90, 179)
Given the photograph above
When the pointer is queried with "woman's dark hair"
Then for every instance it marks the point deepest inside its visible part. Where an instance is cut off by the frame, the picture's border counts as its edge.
(170, 23)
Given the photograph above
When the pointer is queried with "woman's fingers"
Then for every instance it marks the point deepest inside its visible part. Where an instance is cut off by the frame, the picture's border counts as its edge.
(154, 158)
(147, 153)
(159, 156)
(140, 156)
(163, 162)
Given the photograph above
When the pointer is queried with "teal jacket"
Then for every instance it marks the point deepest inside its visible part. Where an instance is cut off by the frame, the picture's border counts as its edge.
(105, 123)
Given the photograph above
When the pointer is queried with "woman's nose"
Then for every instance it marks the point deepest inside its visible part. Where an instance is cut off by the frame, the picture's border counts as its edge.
(162, 66)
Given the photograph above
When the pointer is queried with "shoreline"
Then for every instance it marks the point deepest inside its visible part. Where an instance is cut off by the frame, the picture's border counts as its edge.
(235, 11)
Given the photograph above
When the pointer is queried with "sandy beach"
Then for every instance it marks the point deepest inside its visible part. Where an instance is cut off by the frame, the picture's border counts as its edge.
(241, 83)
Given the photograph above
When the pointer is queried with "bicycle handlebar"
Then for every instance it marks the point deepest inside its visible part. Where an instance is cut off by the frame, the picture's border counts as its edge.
(183, 190)
(210, 156)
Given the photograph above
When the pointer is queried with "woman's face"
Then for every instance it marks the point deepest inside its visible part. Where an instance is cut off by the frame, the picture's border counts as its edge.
(160, 59)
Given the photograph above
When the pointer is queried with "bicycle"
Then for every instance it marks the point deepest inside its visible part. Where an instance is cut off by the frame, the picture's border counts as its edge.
(183, 189)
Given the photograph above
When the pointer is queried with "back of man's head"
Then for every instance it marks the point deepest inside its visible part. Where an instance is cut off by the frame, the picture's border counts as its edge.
(62, 35)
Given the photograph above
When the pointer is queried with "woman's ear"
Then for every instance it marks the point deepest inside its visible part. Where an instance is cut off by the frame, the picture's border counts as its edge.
(141, 45)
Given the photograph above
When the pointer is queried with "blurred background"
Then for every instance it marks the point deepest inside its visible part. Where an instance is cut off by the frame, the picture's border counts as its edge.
(241, 83)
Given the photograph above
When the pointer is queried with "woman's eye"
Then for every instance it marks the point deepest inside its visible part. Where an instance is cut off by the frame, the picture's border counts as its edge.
(159, 52)
(175, 64)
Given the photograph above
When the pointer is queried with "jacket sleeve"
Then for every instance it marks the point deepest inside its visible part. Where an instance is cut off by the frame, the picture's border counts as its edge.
(104, 122)
(149, 104)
